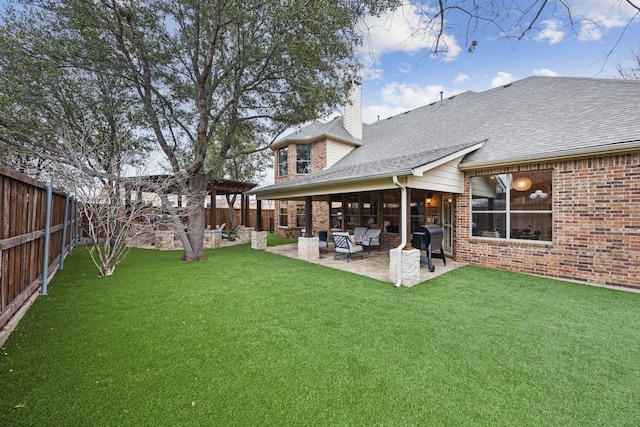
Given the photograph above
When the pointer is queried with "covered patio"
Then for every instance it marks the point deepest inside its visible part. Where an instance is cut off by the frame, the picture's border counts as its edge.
(374, 265)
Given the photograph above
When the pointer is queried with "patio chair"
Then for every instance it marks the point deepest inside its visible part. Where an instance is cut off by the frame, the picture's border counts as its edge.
(226, 234)
(344, 247)
(371, 238)
(322, 240)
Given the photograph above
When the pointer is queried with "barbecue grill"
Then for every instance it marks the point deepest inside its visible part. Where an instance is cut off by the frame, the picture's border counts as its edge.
(428, 238)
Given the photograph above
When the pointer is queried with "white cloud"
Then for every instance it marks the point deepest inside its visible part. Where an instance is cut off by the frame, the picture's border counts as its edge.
(461, 78)
(405, 68)
(371, 73)
(596, 17)
(409, 95)
(544, 72)
(501, 79)
(406, 29)
(590, 31)
(396, 98)
(551, 32)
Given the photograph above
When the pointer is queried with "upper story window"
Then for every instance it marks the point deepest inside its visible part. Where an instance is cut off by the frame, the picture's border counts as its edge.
(283, 161)
(303, 159)
(513, 205)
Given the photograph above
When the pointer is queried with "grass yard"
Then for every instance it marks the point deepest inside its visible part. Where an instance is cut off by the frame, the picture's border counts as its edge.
(252, 338)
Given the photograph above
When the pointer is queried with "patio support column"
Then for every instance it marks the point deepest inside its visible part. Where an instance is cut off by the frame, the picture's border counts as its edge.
(380, 201)
(242, 209)
(214, 210)
(309, 215)
(407, 230)
(258, 215)
(245, 210)
(345, 203)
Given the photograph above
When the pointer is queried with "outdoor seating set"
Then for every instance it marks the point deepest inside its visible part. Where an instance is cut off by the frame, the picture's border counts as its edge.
(346, 245)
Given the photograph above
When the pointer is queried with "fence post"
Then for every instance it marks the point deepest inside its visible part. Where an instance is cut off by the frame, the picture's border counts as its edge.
(47, 238)
(73, 231)
(65, 224)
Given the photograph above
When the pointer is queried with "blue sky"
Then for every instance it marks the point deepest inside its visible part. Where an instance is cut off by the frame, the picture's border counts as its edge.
(400, 74)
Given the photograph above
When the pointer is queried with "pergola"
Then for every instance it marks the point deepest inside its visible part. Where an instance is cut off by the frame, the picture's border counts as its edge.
(215, 187)
(224, 187)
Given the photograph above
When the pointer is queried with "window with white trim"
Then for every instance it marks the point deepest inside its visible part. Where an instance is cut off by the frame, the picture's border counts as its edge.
(513, 205)
(303, 158)
(283, 158)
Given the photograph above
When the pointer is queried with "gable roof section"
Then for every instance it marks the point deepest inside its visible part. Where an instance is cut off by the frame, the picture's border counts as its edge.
(317, 130)
(545, 118)
(377, 167)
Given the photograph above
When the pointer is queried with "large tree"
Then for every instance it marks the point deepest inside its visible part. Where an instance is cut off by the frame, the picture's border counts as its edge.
(200, 70)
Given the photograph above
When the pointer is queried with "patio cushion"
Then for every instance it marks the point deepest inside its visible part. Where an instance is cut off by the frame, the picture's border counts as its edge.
(359, 233)
(343, 246)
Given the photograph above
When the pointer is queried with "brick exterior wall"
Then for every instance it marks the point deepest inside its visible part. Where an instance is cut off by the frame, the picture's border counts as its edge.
(596, 225)
(320, 209)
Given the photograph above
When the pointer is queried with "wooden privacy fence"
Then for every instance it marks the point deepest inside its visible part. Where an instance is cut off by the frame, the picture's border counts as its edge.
(222, 216)
(38, 226)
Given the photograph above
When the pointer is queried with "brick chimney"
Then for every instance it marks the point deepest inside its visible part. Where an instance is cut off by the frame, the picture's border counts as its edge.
(352, 118)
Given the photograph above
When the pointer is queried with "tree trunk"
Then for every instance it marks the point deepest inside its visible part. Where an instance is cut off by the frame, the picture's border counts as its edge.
(195, 233)
(196, 220)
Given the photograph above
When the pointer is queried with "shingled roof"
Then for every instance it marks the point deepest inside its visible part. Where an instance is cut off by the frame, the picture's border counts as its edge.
(317, 130)
(529, 120)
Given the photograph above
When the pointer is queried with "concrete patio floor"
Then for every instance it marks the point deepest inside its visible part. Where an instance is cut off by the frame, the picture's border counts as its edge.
(374, 265)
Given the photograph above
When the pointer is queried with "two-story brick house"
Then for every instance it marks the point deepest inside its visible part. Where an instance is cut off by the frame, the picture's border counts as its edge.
(312, 149)
(540, 176)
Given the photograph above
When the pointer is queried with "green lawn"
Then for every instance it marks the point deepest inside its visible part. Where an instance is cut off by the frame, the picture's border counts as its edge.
(252, 338)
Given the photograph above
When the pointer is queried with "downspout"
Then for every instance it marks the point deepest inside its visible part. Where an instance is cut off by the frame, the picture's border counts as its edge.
(403, 229)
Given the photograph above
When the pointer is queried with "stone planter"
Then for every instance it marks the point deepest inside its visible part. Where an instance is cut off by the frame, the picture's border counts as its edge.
(212, 239)
(165, 240)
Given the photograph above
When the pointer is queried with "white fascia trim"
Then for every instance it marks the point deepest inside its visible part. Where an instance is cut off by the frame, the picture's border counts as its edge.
(419, 171)
(312, 139)
(281, 193)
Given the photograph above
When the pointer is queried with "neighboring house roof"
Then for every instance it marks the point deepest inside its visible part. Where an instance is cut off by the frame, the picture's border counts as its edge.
(530, 120)
(317, 130)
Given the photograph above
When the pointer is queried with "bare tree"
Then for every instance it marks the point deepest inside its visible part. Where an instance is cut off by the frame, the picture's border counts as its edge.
(114, 222)
(631, 70)
(199, 70)
(474, 21)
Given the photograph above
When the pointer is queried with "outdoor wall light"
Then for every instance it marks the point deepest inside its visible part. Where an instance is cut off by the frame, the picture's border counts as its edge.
(522, 183)
(427, 199)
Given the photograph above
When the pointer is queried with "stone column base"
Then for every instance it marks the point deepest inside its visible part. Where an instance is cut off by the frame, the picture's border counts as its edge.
(212, 239)
(259, 240)
(308, 249)
(244, 234)
(164, 240)
(410, 266)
